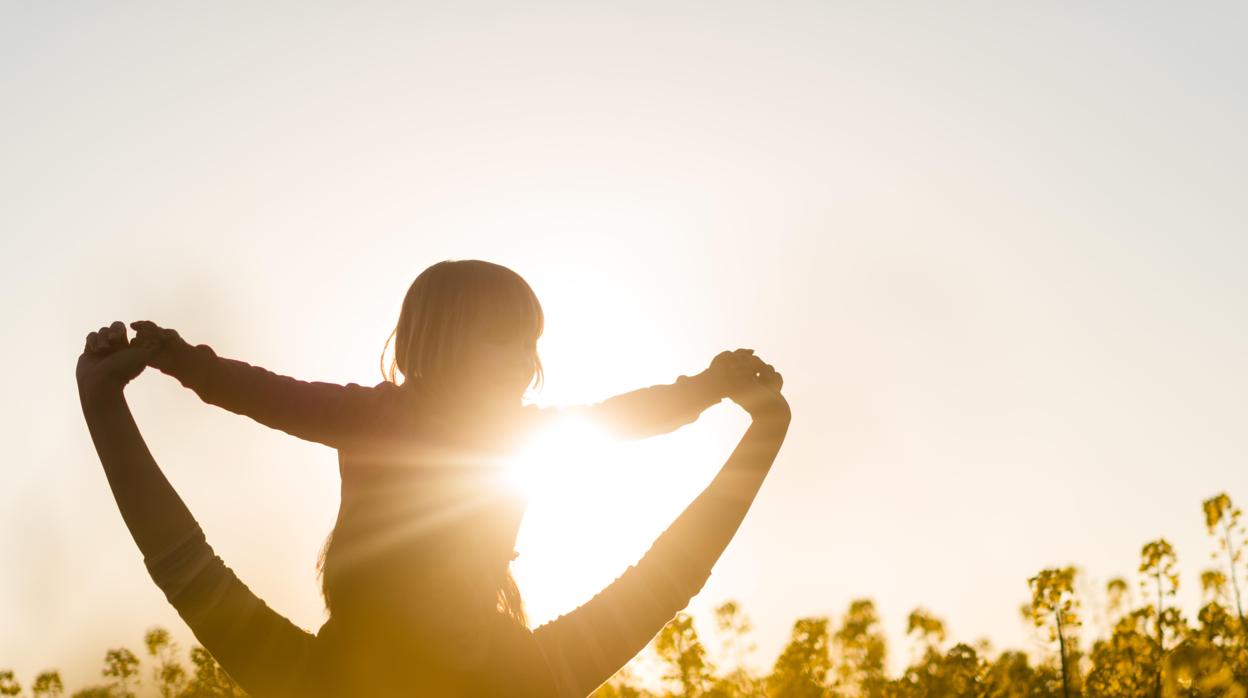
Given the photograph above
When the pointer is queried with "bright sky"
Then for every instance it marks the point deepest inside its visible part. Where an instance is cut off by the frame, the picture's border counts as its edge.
(996, 249)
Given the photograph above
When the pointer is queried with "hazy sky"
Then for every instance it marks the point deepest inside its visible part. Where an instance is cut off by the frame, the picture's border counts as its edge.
(996, 249)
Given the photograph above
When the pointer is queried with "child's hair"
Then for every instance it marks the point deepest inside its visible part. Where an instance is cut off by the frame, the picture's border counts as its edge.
(449, 305)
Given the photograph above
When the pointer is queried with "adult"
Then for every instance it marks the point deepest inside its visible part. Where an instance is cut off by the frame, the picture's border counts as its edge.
(268, 655)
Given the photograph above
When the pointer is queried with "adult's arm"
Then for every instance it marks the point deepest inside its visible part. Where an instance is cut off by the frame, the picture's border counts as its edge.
(586, 646)
(261, 650)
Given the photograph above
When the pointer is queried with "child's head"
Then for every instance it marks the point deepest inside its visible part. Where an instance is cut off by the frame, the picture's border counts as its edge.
(468, 327)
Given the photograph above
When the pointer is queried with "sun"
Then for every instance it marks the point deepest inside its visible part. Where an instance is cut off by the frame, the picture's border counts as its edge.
(596, 504)
(552, 463)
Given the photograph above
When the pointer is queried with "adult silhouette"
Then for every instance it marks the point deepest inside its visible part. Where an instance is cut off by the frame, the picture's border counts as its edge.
(384, 644)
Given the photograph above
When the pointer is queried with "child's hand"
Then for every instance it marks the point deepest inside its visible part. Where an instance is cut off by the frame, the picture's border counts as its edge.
(109, 360)
(165, 345)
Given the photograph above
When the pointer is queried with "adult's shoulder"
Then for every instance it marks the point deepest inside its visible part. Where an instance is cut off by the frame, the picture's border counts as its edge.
(519, 662)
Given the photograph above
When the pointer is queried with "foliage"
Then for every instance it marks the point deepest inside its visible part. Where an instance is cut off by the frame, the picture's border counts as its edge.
(122, 666)
(47, 685)
(860, 647)
(1222, 520)
(168, 674)
(802, 669)
(679, 648)
(8, 684)
(1149, 649)
(1054, 606)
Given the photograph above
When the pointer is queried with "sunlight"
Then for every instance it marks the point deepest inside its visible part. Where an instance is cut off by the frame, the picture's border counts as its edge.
(552, 463)
(596, 503)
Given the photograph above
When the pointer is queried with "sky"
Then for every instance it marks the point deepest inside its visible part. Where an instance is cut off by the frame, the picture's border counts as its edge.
(995, 248)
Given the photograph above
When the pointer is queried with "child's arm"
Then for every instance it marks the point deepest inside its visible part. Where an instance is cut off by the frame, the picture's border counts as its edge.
(326, 413)
(660, 409)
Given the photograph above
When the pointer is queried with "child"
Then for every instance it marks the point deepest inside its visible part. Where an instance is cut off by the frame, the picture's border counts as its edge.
(465, 352)
(453, 310)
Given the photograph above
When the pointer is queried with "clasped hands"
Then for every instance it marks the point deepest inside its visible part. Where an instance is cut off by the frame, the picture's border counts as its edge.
(750, 382)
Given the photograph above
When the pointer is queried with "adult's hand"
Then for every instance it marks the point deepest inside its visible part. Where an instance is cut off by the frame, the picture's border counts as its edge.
(725, 369)
(755, 385)
(109, 361)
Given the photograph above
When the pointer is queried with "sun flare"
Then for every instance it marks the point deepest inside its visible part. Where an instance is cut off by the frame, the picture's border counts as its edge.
(552, 463)
(597, 502)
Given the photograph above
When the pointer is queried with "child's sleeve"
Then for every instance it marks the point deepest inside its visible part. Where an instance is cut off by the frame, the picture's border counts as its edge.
(327, 413)
(650, 411)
